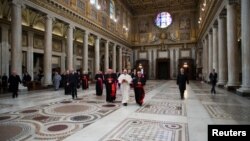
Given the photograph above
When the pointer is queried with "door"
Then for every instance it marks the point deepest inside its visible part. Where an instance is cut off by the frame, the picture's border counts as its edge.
(163, 69)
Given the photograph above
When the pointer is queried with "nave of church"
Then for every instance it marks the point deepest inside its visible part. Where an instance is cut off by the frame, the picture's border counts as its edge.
(51, 115)
(44, 40)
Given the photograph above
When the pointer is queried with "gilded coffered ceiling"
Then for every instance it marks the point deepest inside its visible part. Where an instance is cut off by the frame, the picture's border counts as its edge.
(139, 7)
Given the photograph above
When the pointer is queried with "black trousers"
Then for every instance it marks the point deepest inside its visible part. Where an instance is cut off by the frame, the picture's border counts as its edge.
(213, 88)
(74, 92)
(182, 93)
(14, 93)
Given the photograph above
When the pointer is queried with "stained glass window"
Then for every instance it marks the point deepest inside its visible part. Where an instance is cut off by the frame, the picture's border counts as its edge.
(163, 20)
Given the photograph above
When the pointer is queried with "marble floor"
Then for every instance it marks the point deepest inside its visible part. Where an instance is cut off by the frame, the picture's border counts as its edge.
(51, 115)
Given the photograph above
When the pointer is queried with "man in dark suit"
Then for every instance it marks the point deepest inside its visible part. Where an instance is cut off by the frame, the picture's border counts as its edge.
(14, 81)
(182, 79)
(73, 81)
(213, 80)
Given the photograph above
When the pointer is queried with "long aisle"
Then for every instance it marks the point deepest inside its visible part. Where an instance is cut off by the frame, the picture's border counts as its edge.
(50, 115)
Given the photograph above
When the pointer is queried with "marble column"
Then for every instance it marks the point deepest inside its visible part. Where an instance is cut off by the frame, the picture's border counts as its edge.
(85, 52)
(204, 67)
(30, 54)
(222, 50)
(5, 50)
(210, 52)
(114, 58)
(70, 47)
(106, 63)
(75, 62)
(232, 47)
(47, 58)
(245, 35)
(63, 57)
(207, 59)
(120, 59)
(97, 54)
(215, 47)
(16, 36)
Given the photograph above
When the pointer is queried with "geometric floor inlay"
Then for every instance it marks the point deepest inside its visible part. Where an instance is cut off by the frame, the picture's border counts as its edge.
(167, 96)
(163, 107)
(59, 119)
(53, 121)
(147, 130)
(228, 112)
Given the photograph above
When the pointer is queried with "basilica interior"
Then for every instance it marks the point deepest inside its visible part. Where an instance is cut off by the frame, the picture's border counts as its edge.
(42, 37)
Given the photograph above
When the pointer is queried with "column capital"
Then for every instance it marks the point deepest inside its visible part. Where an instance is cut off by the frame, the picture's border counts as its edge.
(70, 26)
(97, 37)
(223, 14)
(5, 26)
(18, 3)
(86, 32)
(215, 25)
(210, 31)
(49, 17)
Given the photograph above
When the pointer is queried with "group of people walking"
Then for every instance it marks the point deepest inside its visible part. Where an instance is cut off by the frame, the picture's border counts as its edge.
(125, 81)
(72, 80)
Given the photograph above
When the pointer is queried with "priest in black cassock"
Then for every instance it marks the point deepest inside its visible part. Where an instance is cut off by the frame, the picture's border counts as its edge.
(110, 82)
(182, 79)
(85, 81)
(139, 81)
(99, 83)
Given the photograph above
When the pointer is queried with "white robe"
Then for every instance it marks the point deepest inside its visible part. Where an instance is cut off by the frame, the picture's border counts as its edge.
(125, 86)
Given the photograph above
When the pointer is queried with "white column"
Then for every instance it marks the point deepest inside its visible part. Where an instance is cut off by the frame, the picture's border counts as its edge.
(70, 47)
(120, 59)
(245, 34)
(210, 52)
(16, 36)
(215, 48)
(97, 54)
(232, 47)
(85, 52)
(207, 59)
(47, 64)
(222, 50)
(114, 58)
(204, 68)
(5, 50)
(106, 63)
(74, 64)
(63, 57)
(30, 54)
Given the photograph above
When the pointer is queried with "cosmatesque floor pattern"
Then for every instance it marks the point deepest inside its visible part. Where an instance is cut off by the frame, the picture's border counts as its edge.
(52, 116)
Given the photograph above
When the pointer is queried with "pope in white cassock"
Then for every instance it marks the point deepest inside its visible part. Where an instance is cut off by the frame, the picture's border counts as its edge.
(125, 80)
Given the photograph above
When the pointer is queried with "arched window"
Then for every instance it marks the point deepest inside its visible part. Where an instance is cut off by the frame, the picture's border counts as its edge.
(112, 9)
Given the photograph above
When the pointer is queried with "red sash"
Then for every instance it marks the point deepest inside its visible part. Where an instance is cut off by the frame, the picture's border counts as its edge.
(113, 89)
